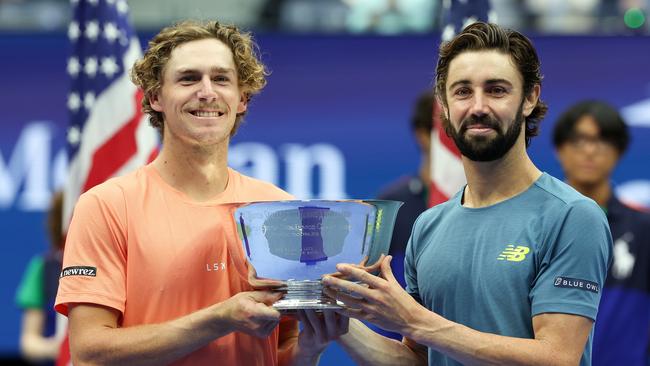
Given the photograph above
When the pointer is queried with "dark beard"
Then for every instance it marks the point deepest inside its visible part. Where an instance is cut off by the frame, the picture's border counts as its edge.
(484, 148)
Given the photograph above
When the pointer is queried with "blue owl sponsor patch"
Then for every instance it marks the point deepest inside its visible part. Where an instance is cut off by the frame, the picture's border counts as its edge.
(576, 283)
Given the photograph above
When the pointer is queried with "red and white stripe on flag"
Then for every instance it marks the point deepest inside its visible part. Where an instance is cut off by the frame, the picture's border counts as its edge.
(108, 134)
(116, 139)
(447, 174)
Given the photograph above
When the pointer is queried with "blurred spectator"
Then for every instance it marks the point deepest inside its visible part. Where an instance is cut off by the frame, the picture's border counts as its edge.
(413, 188)
(34, 14)
(312, 16)
(40, 334)
(563, 16)
(355, 16)
(390, 16)
(590, 137)
(269, 18)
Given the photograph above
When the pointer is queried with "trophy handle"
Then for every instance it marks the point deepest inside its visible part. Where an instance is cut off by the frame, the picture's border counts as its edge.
(382, 232)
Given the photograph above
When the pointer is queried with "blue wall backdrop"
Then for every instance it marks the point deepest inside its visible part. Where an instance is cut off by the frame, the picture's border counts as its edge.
(332, 122)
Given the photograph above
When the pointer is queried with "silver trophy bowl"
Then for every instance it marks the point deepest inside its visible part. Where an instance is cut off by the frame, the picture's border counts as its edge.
(297, 242)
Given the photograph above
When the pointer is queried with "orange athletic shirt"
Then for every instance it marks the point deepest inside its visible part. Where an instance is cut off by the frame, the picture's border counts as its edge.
(157, 256)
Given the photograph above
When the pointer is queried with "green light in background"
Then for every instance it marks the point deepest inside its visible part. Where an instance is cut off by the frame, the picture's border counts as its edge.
(634, 18)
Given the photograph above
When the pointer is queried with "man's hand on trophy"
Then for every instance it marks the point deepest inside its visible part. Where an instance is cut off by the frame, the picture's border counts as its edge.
(258, 283)
(377, 299)
(373, 268)
(251, 312)
(319, 329)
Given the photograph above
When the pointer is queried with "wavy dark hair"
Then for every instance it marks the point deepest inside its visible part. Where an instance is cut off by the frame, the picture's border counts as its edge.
(487, 36)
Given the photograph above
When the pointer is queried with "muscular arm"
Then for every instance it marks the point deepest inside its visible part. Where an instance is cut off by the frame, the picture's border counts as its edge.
(96, 338)
(559, 340)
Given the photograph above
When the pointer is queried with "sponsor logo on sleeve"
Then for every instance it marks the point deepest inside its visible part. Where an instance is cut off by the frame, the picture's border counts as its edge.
(79, 271)
(576, 283)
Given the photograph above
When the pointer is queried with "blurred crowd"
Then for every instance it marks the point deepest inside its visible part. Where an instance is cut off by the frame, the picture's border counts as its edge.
(606, 17)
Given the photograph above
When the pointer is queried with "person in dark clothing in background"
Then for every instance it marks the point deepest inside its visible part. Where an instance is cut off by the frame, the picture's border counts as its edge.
(590, 138)
(412, 189)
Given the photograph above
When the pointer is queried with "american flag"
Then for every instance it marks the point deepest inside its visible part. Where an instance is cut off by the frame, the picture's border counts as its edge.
(108, 134)
(447, 174)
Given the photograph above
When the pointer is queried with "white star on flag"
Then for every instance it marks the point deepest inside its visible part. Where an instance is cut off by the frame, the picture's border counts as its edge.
(74, 136)
(74, 102)
(73, 31)
(91, 67)
(73, 66)
(89, 100)
(92, 30)
(122, 6)
(111, 32)
(109, 67)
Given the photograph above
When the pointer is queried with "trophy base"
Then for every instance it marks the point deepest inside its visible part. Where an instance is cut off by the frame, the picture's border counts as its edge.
(305, 295)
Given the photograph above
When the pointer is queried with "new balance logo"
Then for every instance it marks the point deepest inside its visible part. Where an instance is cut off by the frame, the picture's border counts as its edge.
(513, 253)
(79, 271)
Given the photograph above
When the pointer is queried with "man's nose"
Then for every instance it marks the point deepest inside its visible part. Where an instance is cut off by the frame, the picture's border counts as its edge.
(479, 105)
(207, 89)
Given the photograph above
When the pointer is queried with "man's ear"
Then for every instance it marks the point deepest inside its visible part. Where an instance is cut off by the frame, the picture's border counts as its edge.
(442, 105)
(243, 102)
(531, 100)
(154, 101)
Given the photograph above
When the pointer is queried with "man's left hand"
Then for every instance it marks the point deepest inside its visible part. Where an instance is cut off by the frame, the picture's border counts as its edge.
(377, 299)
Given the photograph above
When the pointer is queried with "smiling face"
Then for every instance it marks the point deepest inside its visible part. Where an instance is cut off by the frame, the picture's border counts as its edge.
(200, 96)
(485, 104)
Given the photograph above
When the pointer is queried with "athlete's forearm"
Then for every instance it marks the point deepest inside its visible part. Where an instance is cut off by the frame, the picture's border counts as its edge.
(560, 340)
(153, 344)
(367, 347)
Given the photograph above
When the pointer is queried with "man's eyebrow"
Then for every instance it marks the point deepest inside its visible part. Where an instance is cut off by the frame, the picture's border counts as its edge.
(222, 70)
(488, 82)
(459, 82)
(498, 81)
(216, 70)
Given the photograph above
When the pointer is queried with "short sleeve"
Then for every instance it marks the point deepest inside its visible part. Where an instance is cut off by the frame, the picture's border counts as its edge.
(30, 293)
(574, 263)
(410, 271)
(94, 260)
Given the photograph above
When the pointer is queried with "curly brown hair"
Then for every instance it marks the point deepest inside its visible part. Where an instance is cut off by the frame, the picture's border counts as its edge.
(147, 73)
(487, 36)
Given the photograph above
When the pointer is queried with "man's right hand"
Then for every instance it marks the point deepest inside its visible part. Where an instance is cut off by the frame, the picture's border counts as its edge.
(251, 312)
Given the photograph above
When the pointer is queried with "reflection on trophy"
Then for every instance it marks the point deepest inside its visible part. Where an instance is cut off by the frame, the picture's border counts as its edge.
(297, 242)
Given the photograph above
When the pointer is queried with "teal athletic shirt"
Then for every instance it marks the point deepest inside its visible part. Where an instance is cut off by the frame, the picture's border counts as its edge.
(493, 268)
